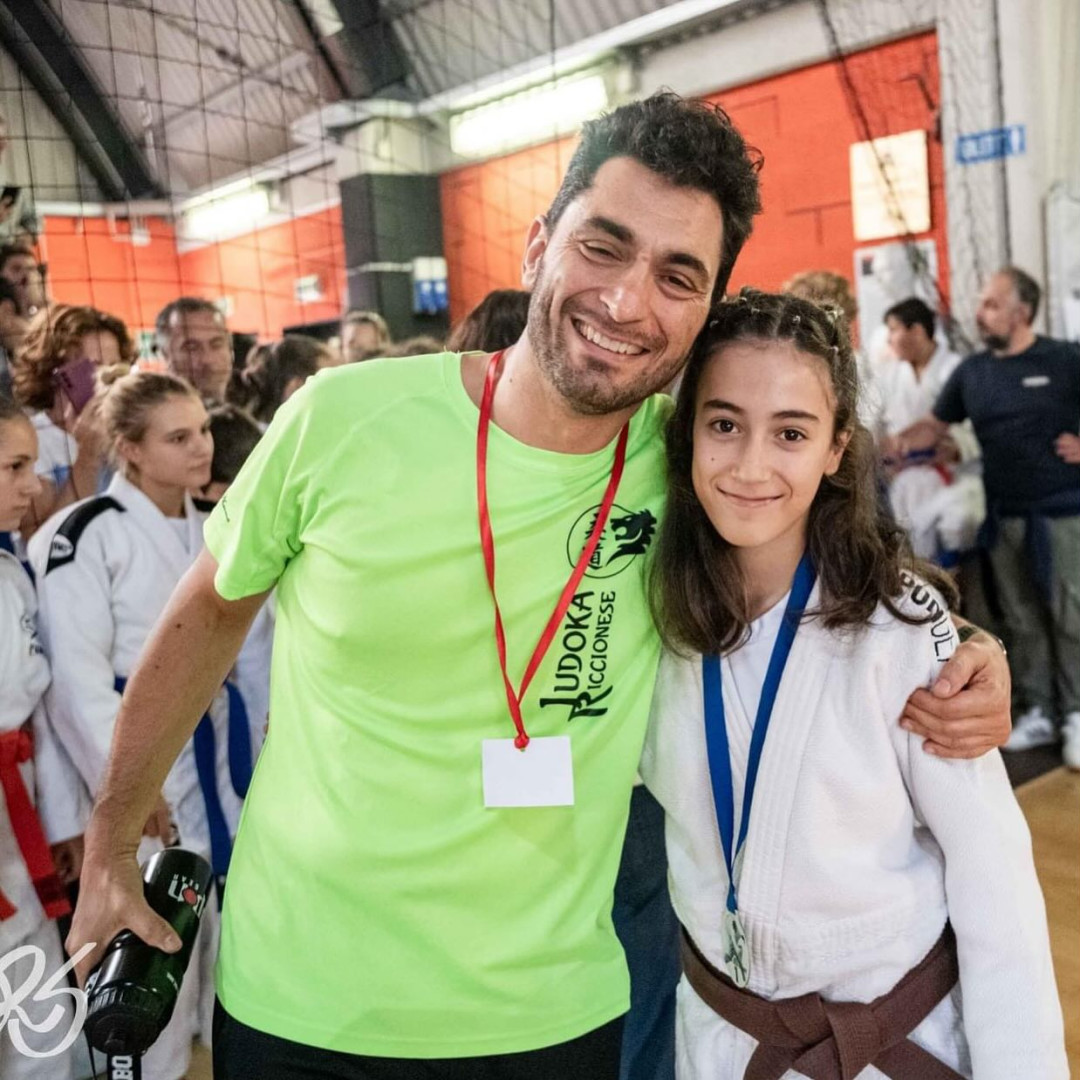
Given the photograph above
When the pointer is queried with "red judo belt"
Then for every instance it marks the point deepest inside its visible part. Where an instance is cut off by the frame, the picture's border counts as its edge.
(17, 747)
(834, 1040)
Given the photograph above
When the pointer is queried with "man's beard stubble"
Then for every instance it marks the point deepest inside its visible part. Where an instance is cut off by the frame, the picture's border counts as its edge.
(588, 391)
(994, 342)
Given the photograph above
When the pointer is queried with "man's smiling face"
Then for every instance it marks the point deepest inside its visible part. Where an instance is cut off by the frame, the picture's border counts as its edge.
(621, 286)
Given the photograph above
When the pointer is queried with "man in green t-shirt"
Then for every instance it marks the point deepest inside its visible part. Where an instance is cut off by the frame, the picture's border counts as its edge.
(425, 864)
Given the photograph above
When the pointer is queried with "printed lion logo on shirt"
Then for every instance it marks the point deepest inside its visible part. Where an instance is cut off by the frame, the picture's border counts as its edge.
(627, 534)
(580, 684)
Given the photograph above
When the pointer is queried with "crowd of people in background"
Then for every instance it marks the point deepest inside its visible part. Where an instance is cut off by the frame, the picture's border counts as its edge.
(123, 455)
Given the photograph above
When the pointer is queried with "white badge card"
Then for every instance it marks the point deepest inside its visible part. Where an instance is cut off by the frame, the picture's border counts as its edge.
(540, 775)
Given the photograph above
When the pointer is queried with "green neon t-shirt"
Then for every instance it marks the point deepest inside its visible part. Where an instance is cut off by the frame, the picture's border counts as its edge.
(374, 905)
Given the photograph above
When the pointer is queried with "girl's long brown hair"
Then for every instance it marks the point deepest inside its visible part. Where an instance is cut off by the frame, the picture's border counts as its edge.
(698, 595)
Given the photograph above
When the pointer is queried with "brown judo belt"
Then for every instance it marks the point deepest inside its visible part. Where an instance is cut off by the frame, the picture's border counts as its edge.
(830, 1040)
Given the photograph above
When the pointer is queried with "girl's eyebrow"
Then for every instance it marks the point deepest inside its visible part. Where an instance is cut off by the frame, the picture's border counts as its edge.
(716, 403)
(783, 414)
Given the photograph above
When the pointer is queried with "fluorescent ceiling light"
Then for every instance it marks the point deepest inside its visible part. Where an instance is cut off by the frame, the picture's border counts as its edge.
(240, 186)
(586, 52)
(542, 112)
(232, 213)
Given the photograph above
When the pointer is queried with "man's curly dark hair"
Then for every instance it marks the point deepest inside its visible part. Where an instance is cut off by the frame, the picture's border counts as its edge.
(689, 143)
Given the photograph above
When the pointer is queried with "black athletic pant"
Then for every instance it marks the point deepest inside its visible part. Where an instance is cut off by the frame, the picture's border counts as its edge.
(242, 1053)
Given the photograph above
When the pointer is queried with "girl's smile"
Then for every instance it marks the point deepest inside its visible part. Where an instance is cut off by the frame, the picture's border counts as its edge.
(748, 502)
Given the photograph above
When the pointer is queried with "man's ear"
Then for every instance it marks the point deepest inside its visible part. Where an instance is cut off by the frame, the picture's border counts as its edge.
(535, 245)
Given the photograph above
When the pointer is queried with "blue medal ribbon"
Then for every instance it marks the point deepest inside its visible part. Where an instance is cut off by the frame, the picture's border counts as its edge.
(716, 737)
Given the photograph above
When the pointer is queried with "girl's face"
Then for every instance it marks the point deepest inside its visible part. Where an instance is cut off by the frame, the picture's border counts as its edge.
(763, 440)
(18, 482)
(177, 447)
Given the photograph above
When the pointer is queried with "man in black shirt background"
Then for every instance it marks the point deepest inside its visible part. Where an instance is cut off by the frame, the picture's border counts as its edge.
(1022, 395)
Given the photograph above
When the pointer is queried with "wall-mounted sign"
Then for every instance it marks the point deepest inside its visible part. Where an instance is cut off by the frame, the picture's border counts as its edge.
(1003, 142)
(890, 186)
(429, 285)
(308, 289)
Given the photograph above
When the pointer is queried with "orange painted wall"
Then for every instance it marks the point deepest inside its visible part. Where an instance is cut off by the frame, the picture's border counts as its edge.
(258, 271)
(88, 265)
(802, 124)
(486, 211)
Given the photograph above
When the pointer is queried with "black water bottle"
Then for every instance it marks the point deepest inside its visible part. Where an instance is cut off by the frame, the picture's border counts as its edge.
(132, 992)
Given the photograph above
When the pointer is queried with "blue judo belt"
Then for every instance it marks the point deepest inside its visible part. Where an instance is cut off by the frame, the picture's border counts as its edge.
(205, 744)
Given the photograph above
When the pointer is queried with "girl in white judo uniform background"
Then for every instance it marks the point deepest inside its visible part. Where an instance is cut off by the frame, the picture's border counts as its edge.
(863, 855)
(42, 814)
(105, 569)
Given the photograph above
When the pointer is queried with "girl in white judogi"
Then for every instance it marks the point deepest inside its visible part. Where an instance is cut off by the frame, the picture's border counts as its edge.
(840, 889)
(105, 569)
(42, 814)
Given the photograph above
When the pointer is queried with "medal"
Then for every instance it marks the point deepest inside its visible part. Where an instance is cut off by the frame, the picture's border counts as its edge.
(736, 946)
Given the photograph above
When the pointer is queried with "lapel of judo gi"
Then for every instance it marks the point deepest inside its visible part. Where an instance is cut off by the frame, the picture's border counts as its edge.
(157, 528)
(760, 877)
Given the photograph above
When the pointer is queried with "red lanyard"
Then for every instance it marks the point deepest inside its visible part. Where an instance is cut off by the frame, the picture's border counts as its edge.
(487, 542)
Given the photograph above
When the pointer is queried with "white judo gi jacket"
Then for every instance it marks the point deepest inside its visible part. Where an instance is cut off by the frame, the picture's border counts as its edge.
(860, 846)
(57, 793)
(104, 574)
(935, 513)
(49, 778)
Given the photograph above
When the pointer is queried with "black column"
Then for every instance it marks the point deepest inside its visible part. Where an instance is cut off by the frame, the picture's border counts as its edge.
(391, 218)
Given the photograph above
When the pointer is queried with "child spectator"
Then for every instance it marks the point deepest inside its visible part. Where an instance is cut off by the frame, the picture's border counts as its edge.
(235, 435)
(42, 812)
(936, 496)
(274, 373)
